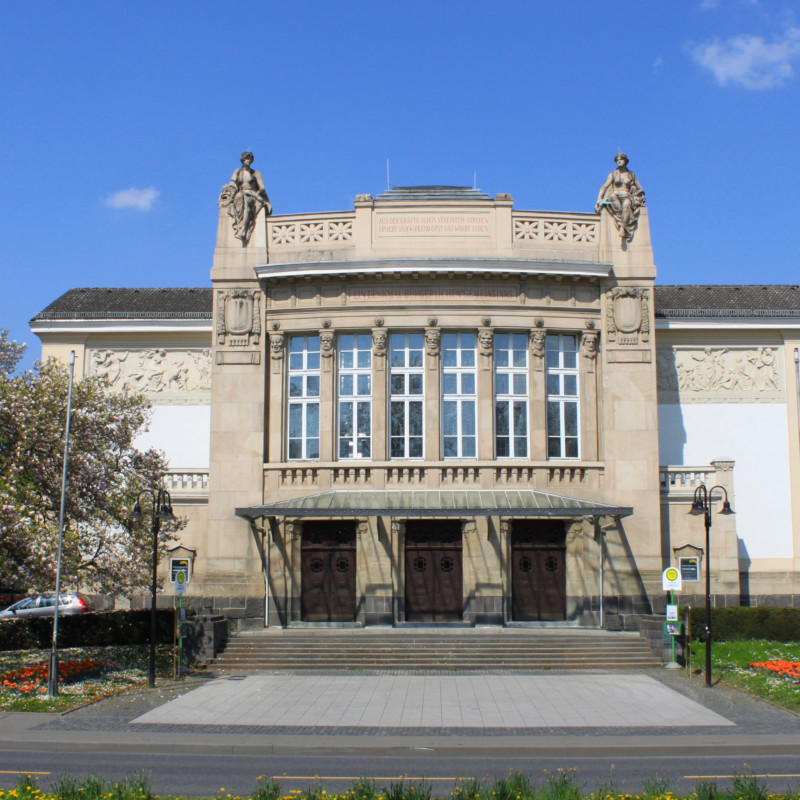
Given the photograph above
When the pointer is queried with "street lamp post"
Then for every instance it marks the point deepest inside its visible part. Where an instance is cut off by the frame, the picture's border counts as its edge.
(702, 504)
(161, 508)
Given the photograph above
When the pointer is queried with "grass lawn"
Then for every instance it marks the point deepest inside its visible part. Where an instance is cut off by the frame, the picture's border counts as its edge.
(95, 672)
(730, 663)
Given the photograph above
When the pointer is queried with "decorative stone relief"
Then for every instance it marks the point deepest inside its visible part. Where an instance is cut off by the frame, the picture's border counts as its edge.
(628, 316)
(589, 342)
(538, 342)
(362, 527)
(718, 374)
(505, 527)
(244, 197)
(433, 339)
(277, 347)
(398, 528)
(326, 339)
(486, 345)
(169, 376)
(469, 526)
(623, 197)
(238, 317)
(379, 338)
(292, 528)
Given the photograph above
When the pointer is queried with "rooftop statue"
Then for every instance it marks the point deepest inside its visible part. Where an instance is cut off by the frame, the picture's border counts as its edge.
(623, 196)
(244, 197)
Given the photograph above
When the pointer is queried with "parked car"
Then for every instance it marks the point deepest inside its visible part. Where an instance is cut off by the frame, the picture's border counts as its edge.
(43, 605)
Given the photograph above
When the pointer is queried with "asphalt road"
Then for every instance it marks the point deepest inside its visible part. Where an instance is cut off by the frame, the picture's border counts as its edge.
(206, 774)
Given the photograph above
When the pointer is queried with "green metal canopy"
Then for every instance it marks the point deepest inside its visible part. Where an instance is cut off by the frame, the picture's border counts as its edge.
(434, 503)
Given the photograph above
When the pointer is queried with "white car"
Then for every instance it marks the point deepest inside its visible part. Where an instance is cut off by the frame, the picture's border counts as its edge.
(44, 605)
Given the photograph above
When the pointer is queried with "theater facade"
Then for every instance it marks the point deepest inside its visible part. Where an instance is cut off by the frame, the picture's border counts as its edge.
(435, 408)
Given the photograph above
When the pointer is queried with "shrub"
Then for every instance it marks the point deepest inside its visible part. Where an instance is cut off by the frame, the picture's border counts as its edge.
(85, 630)
(741, 623)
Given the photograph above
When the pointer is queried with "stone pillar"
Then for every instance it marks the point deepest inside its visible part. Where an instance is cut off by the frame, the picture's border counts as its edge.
(327, 393)
(538, 391)
(485, 391)
(588, 392)
(433, 391)
(276, 394)
(724, 543)
(380, 434)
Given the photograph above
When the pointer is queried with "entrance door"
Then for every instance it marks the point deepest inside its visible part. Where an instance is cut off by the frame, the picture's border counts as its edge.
(328, 576)
(538, 570)
(434, 591)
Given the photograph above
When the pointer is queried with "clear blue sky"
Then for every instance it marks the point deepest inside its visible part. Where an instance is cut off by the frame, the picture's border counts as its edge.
(121, 121)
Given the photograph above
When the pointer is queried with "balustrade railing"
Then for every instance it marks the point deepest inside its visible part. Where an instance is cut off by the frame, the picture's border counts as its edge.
(684, 479)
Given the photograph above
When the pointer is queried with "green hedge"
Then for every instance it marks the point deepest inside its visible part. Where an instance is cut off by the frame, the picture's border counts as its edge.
(116, 627)
(740, 623)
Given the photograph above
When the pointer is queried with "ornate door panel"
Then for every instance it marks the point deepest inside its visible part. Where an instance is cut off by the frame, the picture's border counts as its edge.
(538, 571)
(434, 582)
(328, 572)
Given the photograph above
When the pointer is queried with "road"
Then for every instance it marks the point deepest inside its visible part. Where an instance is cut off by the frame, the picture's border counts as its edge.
(205, 774)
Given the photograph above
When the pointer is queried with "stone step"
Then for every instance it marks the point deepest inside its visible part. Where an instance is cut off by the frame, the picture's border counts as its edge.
(357, 650)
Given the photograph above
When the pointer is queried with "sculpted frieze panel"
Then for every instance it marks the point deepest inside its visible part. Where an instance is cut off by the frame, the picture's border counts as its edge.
(719, 374)
(166, 375)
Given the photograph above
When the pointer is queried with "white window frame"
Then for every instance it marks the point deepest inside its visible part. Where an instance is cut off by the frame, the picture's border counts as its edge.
(352, 401)
(406, 398)
(559, 371)
(512, 399)
(306, 401)
(465, 349)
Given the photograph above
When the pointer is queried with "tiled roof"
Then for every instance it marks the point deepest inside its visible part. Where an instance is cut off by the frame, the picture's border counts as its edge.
(748, 300)
(752, 300)
(98, 303)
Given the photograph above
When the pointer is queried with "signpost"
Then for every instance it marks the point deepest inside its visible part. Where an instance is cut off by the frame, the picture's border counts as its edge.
(179, 572)
(671, 582)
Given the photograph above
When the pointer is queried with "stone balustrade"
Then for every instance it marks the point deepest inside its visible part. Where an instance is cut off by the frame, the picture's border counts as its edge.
(186, 483)
(683, 480)
(326, 476)
(568, 230)
(303, 231)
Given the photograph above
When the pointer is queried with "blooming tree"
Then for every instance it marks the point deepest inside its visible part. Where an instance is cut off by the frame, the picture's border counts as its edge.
(103, 551)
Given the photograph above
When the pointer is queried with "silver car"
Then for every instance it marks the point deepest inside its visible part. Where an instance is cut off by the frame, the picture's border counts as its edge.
(44, 605)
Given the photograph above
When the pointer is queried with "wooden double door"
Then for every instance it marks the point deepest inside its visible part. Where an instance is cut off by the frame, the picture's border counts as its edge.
(538, 570)
(328, 572)
(434, 574)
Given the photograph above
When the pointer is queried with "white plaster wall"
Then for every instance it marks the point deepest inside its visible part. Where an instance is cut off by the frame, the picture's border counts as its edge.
(754, 436)
(182, 432)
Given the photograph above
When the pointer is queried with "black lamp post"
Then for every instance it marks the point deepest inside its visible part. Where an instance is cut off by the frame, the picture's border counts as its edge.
(702, 503)
(161, 508)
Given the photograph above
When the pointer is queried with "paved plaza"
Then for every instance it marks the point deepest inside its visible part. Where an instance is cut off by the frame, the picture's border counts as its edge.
(412, 701)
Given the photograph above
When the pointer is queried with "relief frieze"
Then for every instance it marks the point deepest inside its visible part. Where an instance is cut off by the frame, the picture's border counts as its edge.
(166, 375)
(719, 374)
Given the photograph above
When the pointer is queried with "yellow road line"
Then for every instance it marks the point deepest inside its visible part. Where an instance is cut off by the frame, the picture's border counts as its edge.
(756, 775)
(22, 772)
(357, 777)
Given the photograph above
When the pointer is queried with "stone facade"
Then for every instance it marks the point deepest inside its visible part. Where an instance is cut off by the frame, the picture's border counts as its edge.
(329, 337)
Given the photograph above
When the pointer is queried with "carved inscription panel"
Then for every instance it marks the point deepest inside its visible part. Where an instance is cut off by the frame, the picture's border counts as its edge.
(432, 224)
(719, 374)
(168, 376)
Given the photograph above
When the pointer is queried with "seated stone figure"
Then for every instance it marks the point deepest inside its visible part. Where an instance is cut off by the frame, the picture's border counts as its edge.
(244, 197)
(623, 196)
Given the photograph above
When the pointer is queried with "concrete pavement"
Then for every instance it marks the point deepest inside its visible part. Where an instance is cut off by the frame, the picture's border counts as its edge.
(593, 714)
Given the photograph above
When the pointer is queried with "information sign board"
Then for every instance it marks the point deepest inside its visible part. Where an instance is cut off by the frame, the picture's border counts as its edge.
(671, 580)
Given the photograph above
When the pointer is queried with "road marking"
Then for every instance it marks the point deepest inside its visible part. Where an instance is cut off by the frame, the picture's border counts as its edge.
(738, 775)
(358, 777)
(22, 772)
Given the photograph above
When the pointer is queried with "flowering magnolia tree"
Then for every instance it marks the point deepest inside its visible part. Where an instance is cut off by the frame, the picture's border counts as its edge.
(103, 551)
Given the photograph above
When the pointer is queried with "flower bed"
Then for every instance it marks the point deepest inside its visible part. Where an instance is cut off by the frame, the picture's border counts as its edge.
(789, 669)
(34, 679)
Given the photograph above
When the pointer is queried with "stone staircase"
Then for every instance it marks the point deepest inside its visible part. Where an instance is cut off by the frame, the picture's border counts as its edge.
(432, 650)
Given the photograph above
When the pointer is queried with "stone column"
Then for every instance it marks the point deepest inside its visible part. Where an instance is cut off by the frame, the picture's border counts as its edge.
(433, 391)
(485, 391)
(538, 391)
(276, 394)
(380, 435)
(588, 392)
(327, 393)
